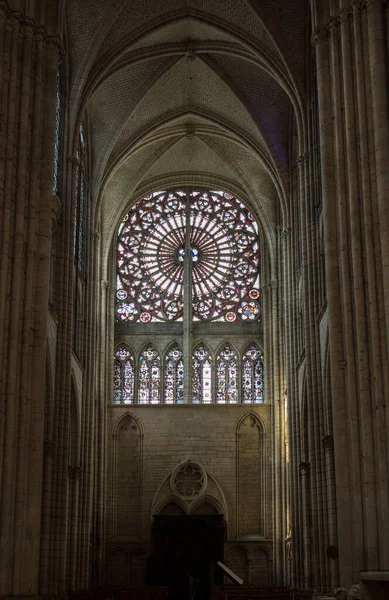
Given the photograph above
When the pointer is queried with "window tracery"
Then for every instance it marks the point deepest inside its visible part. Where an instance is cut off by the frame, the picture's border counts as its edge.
(149, 391)
(123, 376)
(149, 374)
(202, 376)
(227, 376)
(252, 376)
(224, 258)
(57, 135)
(79, 232)
(174, 376)
(189, 255)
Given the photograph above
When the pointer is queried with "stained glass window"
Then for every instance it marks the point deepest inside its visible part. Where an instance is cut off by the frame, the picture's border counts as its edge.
(224, 258)
(149, 390)
(80, 203)
(227, 376)
(123, 376)
(252, 376)
(57, 136)
(174, 377)
(202, 376)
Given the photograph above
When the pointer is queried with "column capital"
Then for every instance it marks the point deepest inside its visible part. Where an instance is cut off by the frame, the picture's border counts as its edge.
(286, 232)
(74, 160)
(319, 34)
(358, 6)
(302, 159)
(333, 24)
(346, 15)
(304, 468)
(105, 284)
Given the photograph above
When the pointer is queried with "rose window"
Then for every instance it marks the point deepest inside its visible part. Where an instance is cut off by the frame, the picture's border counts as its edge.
(188, 480)
(223, 259)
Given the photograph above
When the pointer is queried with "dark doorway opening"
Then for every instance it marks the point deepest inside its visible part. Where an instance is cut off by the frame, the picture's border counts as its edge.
(186, 549)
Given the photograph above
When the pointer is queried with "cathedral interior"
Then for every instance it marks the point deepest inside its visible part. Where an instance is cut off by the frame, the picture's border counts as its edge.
(194, 299)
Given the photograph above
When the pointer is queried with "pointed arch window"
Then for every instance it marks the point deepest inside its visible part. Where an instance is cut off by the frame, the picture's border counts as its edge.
(149, 390)
(79, 227)
(123, 376)
(189, 257)
(227, 376)
(202, 376)
(174, 376)
(57, 138)
(252, 376)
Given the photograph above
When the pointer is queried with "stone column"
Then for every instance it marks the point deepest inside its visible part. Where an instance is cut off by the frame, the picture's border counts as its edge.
(354, 105)
(29, 60)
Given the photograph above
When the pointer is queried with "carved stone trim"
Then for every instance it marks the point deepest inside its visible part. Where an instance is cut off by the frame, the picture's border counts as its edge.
(319, 34)
(188, 480)
(302, 159)
(286, 232)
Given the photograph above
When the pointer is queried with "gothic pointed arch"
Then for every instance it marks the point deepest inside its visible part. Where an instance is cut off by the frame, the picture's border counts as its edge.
(127, 479)
(238, 562)
(252, 501)
(202, 374)
(174, 375)
(149, 375)
(253, 375)
(123, 375)
(227, 364)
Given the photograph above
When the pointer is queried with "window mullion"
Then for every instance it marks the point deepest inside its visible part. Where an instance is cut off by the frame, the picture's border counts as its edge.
(187, 317)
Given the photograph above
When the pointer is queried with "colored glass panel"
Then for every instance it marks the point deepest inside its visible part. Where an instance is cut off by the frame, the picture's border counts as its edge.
(57, 139)
(174, 377)
(202, 376)
(252, 376)
(224, 258)
(226, 376)
(149, 377)
(123, 376)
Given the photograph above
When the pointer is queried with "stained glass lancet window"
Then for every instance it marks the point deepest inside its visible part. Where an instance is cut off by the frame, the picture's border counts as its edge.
(174, 376)
(224, 253)
(227, 376)
(149, 389)
(123, 376)
(252, 376)
(57, 139)
(80, 203)
(202, 376)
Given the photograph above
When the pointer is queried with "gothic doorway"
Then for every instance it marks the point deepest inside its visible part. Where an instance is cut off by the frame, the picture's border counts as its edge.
(186, 549)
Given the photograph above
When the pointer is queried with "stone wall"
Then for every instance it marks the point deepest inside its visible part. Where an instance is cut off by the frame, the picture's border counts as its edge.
(231, 444)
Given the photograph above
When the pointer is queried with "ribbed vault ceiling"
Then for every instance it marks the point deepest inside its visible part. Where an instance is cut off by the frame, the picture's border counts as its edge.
(191, 92)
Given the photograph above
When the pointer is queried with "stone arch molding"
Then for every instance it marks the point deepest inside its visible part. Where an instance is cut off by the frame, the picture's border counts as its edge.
(188, 486)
